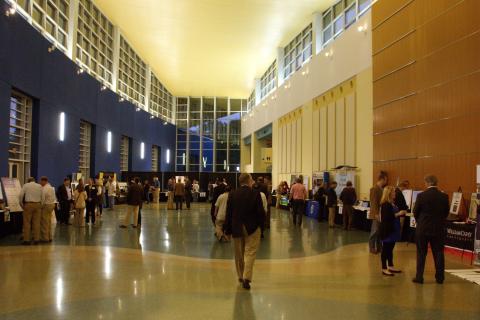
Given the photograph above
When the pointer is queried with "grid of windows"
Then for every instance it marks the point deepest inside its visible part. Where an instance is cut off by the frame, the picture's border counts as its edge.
(161, 100)
(94, 44)
(124, 153)
(268, 82)
(208, 134)
(342, 15)
(155, 166)
(250, 102)
(20, 137)
(49, 16)
(84, 150)
(132, 73)
(298, 51)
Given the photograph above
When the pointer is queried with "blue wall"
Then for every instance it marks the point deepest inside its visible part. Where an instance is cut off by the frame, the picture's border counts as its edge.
(51, 79)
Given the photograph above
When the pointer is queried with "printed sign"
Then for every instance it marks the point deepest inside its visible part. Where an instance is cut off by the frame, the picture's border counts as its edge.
(477, 241)
(12, 193)
(407, 194)
(460, 235)
(456, 201)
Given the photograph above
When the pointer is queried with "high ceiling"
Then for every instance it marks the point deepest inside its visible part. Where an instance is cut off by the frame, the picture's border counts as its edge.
(210, 47)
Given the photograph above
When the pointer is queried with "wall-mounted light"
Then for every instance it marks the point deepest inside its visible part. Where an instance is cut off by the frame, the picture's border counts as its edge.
(138, 109)
(152, 116)
(305, 72)
(103, 88)
(51, 48)
(11, 11)
(165, 123)
(142, 150)
(225, 164)
(167, 156)
(121, 99)
(204, 161)
(109, 141)
(184, 162)
(80, 71)
(61, 126)
(238, 169)
(362, 28)
(329, 54)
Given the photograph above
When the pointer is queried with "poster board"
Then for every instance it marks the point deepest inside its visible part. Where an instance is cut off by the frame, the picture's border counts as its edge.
(413, 222)
(12, 193)
(342, 177)
(408, 194)
(474, 201)
(477, 242)
(456, 202)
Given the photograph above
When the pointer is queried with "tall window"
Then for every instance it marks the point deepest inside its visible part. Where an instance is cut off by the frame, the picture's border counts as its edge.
(85, 148)
(131, 75)
(161, 100)
(20, 137)
(268, 82)
(234, 129)
(51, 17)
(342, 15)
(124, 153)
(250, 102)
(298, 51)
(182, 137)
(155, 166)
(94, 42)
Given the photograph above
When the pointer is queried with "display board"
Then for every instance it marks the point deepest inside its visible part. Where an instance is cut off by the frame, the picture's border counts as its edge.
(474, 199)
(477, 241)
(342, 177)
(456, 202)
(407, 194)
(12, 193)
(413, 222)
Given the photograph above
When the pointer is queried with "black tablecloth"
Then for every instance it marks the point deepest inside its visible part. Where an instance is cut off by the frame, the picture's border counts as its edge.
(460, 236)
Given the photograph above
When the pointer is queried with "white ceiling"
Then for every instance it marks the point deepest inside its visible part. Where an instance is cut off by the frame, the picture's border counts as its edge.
(210, 47)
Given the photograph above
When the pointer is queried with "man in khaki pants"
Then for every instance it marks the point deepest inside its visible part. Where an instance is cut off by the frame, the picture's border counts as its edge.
(31, 200)
(245, 220)
(48, 204)
(134, 200)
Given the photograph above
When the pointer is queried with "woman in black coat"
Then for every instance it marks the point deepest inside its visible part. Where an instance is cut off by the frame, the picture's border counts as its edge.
(389, 229)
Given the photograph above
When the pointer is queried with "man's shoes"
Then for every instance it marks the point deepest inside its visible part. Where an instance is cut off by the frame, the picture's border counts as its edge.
(387, 273)
(415, 280)
(246, 284)
(123, 226)
(25, 243)
(439, 281)
(394, 270)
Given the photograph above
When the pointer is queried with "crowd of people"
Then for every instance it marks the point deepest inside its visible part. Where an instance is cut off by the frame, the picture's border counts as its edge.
(244, 214)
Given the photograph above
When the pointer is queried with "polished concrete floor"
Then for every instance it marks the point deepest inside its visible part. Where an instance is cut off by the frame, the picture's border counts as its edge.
(172, 268)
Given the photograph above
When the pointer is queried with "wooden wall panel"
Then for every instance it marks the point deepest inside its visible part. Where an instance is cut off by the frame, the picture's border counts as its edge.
(316, 140)
(323, 138)
(427, 113)
(394, 57)
(395, 28)
(350, 129)
(331, 136)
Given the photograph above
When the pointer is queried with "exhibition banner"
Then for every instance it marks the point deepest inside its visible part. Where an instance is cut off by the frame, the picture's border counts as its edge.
(460, 236)
(477, 241)
(12, 193)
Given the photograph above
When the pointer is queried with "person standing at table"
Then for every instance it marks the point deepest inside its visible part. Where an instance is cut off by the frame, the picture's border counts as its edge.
(79, 203)
(179, 194)
(348, 198)
(112, 192)
(91, 202)
(319, 196)
(65, 199)
(374, 213)
(134, 200)
(332, 204)
(48, 205)
(100, 197)
(30, 199)
(431, 211)
(389, 229)
(245, 219)
(156, 190)
(171, 194)
(298, 195)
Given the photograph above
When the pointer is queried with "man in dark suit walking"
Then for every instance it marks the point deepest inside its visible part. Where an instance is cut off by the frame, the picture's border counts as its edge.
(245, 220)
(431, 211)
(65, 199)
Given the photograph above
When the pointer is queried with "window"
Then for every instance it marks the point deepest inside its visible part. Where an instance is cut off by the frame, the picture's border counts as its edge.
(84, 150)
(20, 137)
(342, 15)
(182, 136)
(298, 51)
(161, 100)
(250, 102)
(48, 16)
(124, 153)
(155, 167)
(131, 75)
(94, 44)
(268, 82)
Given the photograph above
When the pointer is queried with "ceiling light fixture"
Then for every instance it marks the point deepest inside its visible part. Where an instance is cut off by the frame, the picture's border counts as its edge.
(152, 116)
(138, 109)
(363, 28)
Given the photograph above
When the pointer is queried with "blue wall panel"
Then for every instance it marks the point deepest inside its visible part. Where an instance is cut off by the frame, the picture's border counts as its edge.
(51, 79)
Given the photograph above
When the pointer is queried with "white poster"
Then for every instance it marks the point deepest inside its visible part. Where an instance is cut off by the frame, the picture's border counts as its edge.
(472, 212)
(456, 201)
(407, 194)
(342, 177)
(12, 193)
